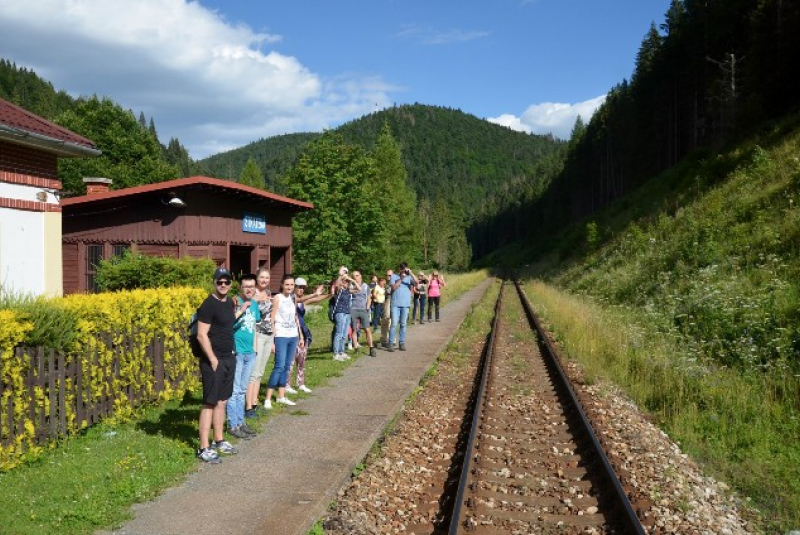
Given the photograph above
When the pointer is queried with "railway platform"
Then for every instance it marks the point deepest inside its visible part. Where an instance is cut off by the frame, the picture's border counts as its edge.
(282, 481)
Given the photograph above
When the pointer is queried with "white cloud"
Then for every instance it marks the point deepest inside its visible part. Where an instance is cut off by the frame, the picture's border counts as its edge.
(550, 117)
(204, 80)
(431, 36)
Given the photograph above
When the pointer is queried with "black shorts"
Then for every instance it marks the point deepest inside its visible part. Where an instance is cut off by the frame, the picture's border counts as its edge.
(217, 385)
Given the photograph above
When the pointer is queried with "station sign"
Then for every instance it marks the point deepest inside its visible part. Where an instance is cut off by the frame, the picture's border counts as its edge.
(255, 223)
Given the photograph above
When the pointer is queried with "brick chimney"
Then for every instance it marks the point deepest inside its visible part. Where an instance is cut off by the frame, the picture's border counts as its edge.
(95, 185)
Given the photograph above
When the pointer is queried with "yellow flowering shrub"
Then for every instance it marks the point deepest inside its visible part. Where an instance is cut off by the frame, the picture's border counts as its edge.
(104, 320)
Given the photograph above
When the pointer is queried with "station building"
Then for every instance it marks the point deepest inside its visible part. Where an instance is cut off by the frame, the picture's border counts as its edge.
(239, 227)
(30, 213)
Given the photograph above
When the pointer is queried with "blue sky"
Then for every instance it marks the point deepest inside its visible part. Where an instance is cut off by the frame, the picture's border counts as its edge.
(219, 74)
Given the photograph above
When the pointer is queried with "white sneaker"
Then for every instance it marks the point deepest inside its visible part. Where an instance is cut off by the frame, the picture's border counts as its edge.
(349, 347)
(290, 390)
(338, 357)
(267, 404)
(285, 401)
(304, 388)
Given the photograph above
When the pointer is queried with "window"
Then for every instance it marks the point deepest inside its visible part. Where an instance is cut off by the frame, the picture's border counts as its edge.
(94, 253)
(120, 248)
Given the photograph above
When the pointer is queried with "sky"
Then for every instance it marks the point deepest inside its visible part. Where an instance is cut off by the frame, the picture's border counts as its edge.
(219, 74)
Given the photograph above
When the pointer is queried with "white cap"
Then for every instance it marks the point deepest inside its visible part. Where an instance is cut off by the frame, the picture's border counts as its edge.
(300, 281)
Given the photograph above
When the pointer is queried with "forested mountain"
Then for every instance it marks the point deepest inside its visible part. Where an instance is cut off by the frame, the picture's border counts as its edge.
(710, 74)
(274, 156)
(474, 167)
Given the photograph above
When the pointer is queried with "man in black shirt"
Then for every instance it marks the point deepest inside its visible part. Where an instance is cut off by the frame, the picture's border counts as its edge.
(215, 319)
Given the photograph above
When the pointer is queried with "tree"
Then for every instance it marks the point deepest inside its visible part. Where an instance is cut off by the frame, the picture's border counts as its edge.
(339, 179)
(177, 155)
(131, 156)
(401, 236)
(251, 175)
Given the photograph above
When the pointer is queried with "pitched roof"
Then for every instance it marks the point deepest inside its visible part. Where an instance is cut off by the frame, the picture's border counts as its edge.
(194, 182)
(18, 125)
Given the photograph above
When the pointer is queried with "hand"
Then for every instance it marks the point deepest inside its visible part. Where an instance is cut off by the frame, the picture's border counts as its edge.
(214, 363)
(301, 343)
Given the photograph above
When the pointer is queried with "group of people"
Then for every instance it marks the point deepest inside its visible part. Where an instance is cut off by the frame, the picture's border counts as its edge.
(235, 335)
(356, 305)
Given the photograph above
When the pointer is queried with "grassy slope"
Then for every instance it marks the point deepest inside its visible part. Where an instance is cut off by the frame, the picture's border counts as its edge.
(700, 269)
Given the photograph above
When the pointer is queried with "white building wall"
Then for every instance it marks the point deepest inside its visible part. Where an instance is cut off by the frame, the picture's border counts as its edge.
(22, 251)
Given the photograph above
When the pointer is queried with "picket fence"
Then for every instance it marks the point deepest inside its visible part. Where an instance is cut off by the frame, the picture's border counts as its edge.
(65, 383)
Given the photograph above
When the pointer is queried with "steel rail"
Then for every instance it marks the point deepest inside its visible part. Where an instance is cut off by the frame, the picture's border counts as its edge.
(476, 416)
(629, 518)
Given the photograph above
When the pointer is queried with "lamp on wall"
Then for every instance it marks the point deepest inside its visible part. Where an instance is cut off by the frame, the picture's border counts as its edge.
(174, 201)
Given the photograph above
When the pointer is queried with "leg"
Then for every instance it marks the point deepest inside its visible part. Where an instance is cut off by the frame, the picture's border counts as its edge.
(422, 301)
(264, 348)
(403, 319)
(218, 420)
(395, 320)
(340, 340)
(235, 407)
(206, 413)
(300, 359)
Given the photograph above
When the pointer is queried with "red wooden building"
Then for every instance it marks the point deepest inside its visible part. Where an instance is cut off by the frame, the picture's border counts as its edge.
(240, 227)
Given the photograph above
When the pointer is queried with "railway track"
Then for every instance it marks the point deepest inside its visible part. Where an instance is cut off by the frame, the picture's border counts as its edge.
(533, 463)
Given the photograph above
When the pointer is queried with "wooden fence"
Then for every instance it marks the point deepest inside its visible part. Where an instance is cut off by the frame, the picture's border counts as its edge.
(64, 382)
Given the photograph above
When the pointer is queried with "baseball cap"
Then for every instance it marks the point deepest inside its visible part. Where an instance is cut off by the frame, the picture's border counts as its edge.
(222, 273)
(300, 281)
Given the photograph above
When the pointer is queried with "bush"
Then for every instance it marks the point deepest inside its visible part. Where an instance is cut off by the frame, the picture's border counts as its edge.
(132, 271)
(53, 325)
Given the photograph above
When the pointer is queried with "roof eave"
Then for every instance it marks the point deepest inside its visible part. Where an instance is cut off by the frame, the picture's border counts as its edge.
(57, 146)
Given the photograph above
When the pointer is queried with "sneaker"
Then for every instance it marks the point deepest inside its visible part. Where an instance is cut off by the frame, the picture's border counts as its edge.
(349, 347)
(250, 413)
(207, 455)
(390, 347)
(304, 388)
(339, 358)
(437, 319)
(247, 429)
(290, 390)
(223, 446)
(402, 347)
(285, 401)
(373, 352)
(267, 404)
(345, 356)
(239, 433)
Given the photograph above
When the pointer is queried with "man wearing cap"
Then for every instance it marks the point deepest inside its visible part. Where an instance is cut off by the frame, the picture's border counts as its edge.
(215, 348)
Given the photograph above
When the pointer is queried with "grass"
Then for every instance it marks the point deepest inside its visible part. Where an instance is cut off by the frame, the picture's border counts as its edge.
(89, 482)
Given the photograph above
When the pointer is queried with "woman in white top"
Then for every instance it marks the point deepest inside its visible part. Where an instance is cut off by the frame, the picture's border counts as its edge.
(288, 336)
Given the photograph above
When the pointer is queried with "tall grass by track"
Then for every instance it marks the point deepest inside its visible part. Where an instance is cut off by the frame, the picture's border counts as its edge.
(739, 424)
(89, 482)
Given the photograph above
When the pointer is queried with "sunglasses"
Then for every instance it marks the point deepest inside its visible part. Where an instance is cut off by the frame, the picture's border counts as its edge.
(223, 283)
